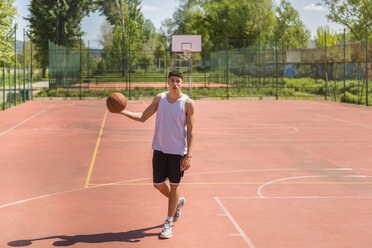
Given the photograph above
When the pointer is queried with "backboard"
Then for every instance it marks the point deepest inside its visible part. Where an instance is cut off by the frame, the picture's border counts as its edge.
(183, 42)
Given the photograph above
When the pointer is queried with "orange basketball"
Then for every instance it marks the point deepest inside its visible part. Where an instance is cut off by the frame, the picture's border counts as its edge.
(116, 102)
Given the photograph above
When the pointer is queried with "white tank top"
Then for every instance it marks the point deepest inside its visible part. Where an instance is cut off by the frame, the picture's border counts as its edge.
(170, 126)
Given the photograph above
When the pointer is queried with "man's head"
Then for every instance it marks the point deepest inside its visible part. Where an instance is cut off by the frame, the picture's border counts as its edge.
(176, 74)
(175, 80)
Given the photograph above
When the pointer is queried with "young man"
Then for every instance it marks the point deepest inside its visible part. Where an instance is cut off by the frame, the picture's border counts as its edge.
(172, 143)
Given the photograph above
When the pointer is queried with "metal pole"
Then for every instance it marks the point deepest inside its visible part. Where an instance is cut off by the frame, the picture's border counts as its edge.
(165, 67)
(366, 65)
(57, 24)
(9, 91)
(88, 60)
(80, 68)
(24, 65)
(32, 76)
(129, 68)
(276, 68)
(283, 62)
(15, 65)
(4, 84)
(227, 62)
(325, 65)
(190, 75)
(344, 64)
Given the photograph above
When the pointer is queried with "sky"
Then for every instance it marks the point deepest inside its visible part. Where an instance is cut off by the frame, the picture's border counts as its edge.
(312, 16)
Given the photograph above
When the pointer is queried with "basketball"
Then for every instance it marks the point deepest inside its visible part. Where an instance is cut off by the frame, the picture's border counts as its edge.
(116, 102)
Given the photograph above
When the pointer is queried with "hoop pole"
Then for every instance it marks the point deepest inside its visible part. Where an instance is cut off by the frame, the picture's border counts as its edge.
(190, 76)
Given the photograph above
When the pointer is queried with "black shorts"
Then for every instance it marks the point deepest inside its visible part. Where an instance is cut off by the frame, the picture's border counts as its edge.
(166, 166)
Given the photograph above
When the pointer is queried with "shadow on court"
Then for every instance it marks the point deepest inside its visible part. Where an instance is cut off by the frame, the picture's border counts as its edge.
(130, 236)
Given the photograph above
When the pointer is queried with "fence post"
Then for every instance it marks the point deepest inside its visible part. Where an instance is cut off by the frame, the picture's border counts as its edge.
(15, 64)
(129, 64)
(32, 76)
(325, 65)
(227, 61)
(9, 85)
(283, 63)
(276, 69)
(366, 65)
(80, 67)
(344, 64)
(24, 65)
(4, 84)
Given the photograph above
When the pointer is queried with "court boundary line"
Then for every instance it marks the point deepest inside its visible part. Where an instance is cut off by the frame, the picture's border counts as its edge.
(26, 120)
(249, 183)
(341, 120)
(259, 189)
(149, 178)
(95, 151)
(240, 230)
(295, 197)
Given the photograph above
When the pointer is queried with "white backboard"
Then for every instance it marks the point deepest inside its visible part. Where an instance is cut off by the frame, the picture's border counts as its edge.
(186, 42)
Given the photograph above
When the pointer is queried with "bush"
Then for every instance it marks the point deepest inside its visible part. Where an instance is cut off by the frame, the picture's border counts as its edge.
(349, 98)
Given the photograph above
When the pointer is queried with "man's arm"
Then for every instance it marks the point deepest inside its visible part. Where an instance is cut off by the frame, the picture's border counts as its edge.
(149, 111)
(190, 110)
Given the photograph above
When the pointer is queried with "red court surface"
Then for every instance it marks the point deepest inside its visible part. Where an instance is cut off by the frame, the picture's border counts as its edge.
(265, 174)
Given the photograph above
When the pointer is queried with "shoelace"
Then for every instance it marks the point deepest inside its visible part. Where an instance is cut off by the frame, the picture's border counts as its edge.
(166, 225)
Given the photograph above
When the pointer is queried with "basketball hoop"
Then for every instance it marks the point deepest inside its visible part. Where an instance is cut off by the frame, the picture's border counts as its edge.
(187, 53)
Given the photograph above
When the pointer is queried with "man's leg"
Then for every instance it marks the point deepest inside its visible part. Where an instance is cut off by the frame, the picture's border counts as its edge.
(163, 188)
(174, 195)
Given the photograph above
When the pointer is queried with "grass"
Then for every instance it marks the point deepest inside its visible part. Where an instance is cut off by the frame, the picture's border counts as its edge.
(302, 88)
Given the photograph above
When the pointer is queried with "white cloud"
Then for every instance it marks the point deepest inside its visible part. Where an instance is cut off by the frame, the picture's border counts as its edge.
(314, 7)
(149, 8)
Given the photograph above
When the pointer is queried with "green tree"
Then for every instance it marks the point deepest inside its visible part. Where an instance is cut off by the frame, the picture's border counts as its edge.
(44, 17)
(128, 28)
(353, 14)
(149, 29)
(289, 27)
(242, 22)
(324, 34)
(7, 13)
(144, 61)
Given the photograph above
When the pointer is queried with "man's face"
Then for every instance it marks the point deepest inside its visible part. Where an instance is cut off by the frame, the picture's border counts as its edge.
(175, 83)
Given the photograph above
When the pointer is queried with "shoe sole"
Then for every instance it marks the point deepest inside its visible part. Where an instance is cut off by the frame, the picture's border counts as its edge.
(165, 236)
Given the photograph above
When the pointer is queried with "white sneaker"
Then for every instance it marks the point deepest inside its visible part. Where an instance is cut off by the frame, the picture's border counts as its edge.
(166, 232)
(177, 215)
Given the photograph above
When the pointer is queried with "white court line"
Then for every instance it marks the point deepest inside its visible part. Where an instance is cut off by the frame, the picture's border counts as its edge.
(242, 233)
(24, 121)
(341, 120)
(134, 180)
(296, 197)
(363, 176)
(150, 178)
(259, 190)
(68, 191)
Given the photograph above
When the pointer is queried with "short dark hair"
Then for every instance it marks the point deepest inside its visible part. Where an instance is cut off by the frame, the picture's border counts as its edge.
(175, 73)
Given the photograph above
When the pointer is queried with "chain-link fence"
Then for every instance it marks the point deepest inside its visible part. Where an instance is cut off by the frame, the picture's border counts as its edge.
(340, 72)
(16, 74)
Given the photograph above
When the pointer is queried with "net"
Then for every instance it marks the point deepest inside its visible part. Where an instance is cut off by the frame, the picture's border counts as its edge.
(187, 53)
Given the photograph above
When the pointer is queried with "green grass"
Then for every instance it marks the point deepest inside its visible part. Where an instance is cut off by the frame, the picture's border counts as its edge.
(302, 88)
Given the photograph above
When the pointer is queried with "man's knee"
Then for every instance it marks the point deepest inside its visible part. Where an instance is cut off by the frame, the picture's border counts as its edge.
(173, 187)
(160, 186)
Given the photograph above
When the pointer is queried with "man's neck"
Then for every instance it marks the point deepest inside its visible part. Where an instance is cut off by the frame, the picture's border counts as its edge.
(174, 96)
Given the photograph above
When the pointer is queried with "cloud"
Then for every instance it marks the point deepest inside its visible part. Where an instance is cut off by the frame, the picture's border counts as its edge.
(149, 8)
(314, 7)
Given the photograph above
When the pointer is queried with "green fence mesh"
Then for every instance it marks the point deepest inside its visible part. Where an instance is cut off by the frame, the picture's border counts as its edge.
(64, 67)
